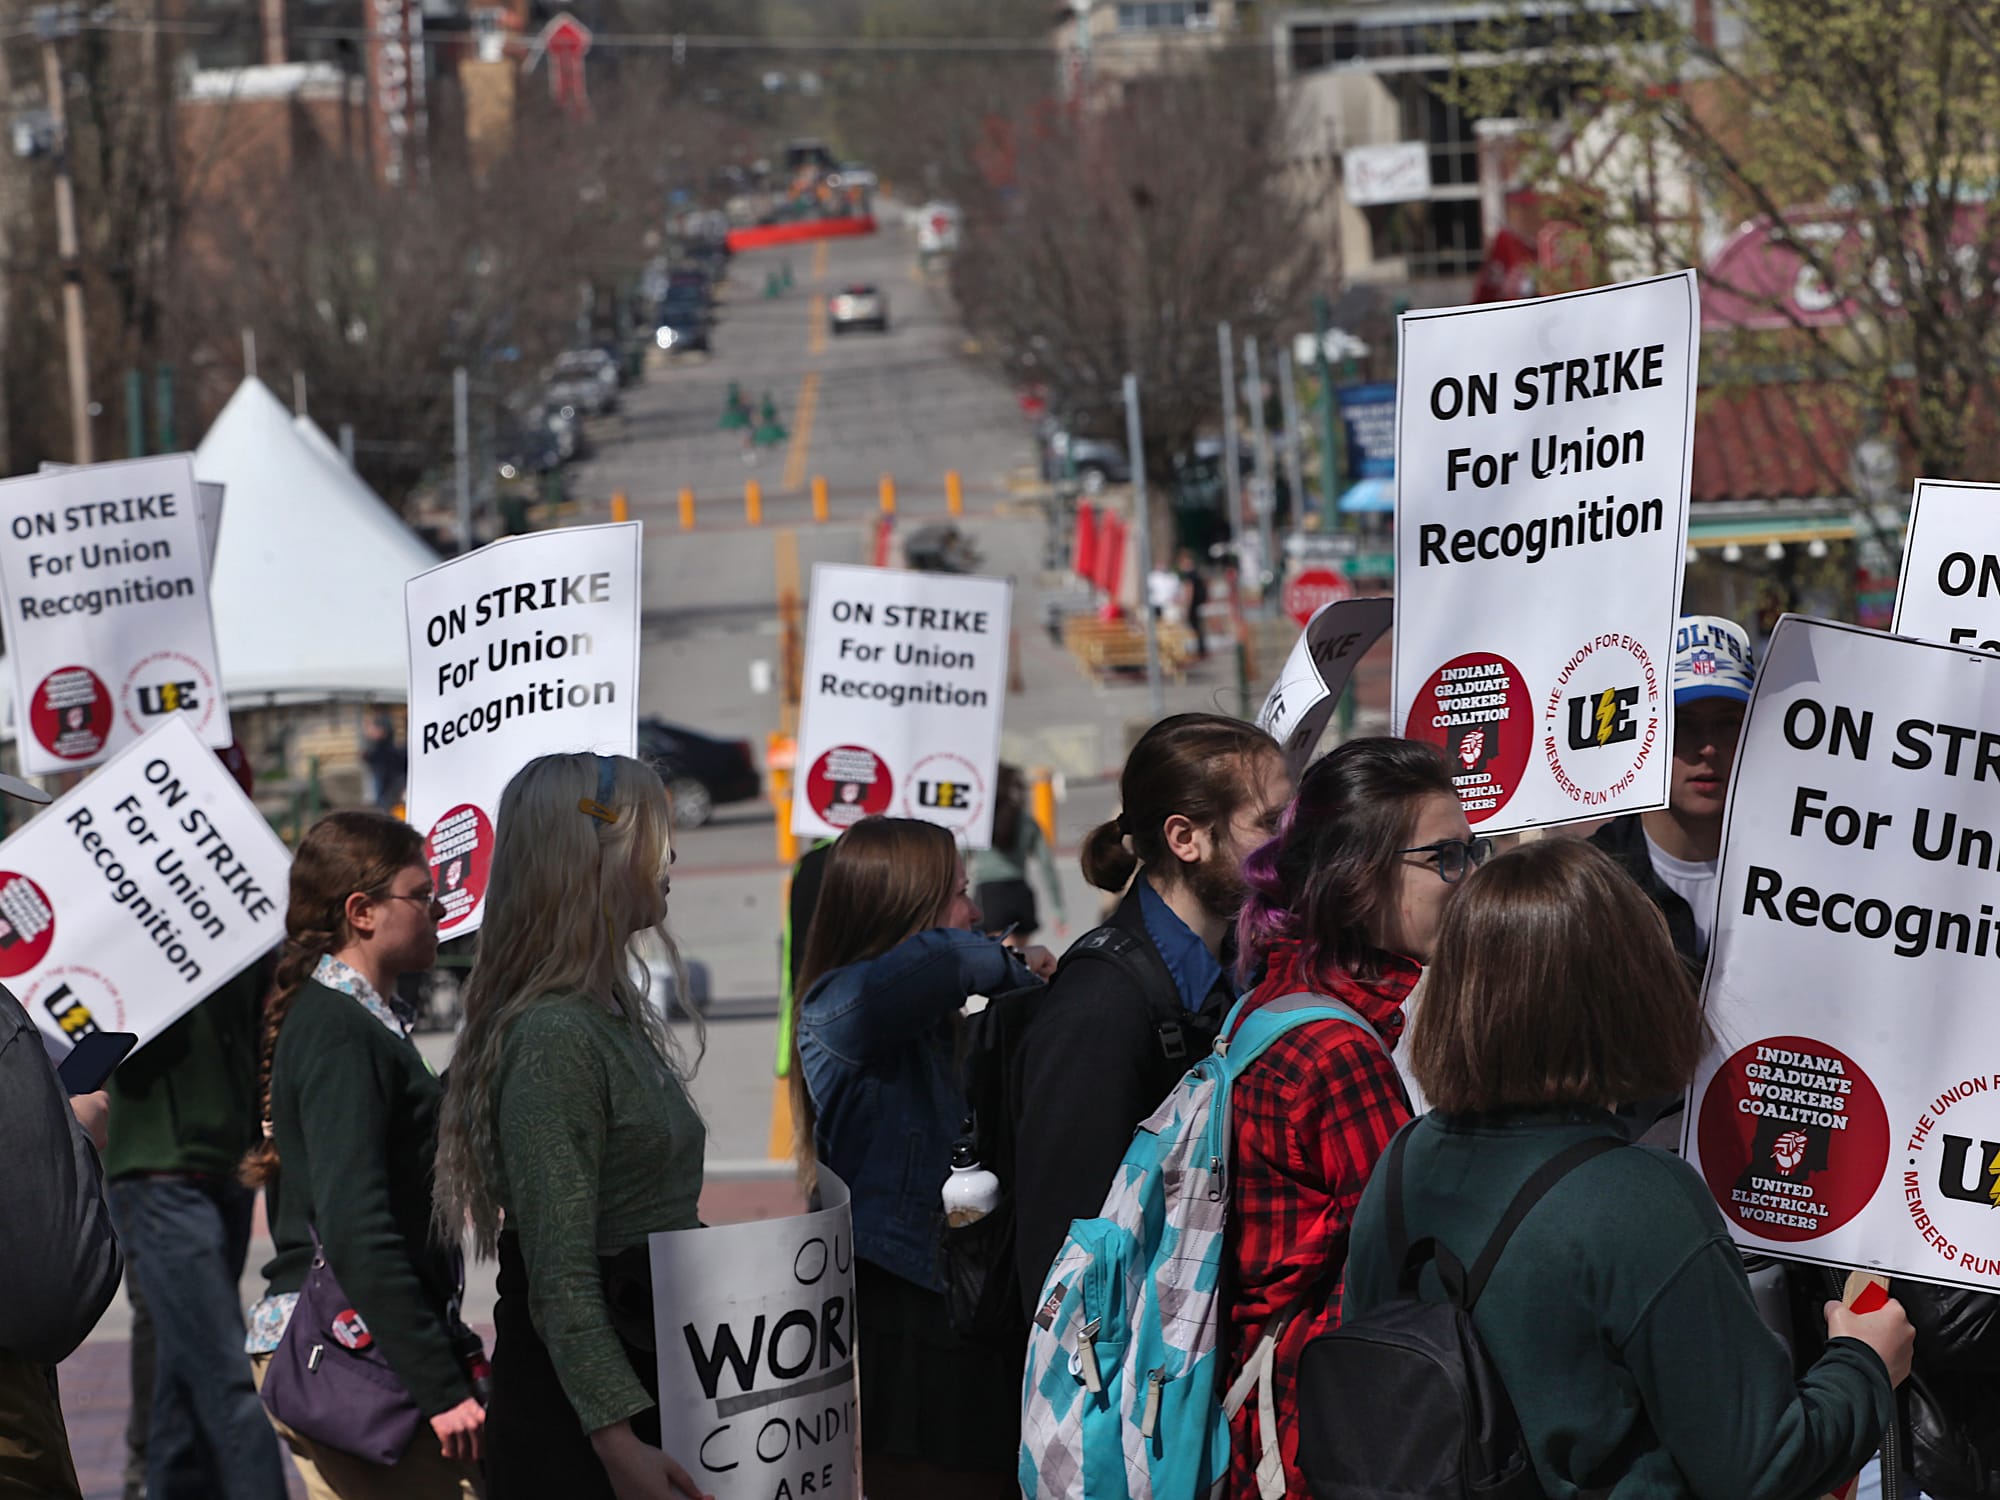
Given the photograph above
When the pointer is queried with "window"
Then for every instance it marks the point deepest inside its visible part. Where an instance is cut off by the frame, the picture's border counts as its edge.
(1165, 15)
(1437, 238)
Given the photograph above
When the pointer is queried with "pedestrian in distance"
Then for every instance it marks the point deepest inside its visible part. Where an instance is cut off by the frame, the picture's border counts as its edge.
(1618, 1317)
(1137, 1001)
(350, 1111)
(893, 955)
(568, 1135)
(183, 1113)
(1000, 872)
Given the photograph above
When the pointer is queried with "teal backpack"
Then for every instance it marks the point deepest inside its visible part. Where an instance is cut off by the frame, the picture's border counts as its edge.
(1123, 1397)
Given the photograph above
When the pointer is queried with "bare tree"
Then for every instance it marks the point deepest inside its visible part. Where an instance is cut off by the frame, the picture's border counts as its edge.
(1119, 236)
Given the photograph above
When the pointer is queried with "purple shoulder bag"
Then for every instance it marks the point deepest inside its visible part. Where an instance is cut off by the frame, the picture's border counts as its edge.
(328, 1380)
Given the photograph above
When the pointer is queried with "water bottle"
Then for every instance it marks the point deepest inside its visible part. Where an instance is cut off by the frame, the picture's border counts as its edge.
(971, 1192)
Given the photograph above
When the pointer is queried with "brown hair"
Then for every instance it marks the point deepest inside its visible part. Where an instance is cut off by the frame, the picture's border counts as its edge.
(886, 880)
(344, 852)
(1197, 765)
(1554, 982)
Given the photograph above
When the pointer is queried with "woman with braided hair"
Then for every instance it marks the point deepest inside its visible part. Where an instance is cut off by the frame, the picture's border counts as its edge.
(350, 1130)
(568, 1116)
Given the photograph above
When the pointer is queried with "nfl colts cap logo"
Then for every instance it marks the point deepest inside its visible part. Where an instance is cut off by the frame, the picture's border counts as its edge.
(1701, 662)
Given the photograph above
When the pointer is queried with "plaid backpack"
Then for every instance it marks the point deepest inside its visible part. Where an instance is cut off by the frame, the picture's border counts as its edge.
(1123, 1393)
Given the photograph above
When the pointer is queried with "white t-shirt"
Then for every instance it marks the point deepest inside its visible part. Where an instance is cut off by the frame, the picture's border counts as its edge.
(1694, 883)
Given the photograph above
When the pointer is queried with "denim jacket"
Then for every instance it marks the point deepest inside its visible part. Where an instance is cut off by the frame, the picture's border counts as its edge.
(876, 1042)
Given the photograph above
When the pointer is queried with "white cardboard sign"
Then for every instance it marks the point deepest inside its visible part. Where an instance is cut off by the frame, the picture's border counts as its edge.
(528, 646)
(1323, 658)
(104, 576)
(754, 1324)
(138, 892)
(1950, 585)
(1543, 458)
(905, 683)
(1849, 1113)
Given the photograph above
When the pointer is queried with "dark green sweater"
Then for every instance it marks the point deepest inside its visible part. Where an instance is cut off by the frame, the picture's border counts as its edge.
(1621, 1323)
(354, 1112)
(187, 1100)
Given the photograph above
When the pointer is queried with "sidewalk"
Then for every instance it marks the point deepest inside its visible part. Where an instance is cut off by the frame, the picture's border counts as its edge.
(95, 1380)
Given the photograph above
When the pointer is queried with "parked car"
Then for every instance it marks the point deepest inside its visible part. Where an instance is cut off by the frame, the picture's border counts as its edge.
(859, 306)
(1096, 462)
(701, 773)
(584, 378)
(680, 328)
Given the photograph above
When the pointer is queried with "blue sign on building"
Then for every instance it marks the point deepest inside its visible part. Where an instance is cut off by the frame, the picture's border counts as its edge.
(1369, 414)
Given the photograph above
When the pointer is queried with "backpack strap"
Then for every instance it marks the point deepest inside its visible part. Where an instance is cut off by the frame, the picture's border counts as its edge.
(1140, 962)
(1546, 1176)
(1249, 1033)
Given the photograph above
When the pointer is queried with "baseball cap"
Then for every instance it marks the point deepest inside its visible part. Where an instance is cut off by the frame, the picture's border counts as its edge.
(1712, 659)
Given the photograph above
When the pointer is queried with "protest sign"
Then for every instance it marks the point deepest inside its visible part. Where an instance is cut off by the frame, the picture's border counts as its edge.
(1368, 413)
(208, 496)
(754, 1324)
(906, 676)
(1848, 1113)
(1542, 468)
(528, 646)
(105, 583)
(1323, 658)
(1950, 586)
(139, 892)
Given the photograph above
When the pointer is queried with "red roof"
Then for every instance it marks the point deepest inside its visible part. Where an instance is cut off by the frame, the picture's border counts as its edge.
(1772, 442)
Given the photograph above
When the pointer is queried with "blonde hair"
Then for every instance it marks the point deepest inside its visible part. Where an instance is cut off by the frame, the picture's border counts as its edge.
(573, 881)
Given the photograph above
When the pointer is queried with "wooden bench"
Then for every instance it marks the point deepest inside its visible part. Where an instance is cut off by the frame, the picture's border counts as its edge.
(1104, 647)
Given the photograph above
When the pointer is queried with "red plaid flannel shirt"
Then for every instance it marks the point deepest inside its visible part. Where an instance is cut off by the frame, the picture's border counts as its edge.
(1308, 1120)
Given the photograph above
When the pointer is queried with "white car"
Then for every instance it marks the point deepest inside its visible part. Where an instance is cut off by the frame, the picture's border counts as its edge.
(584, 378)
(858, 306)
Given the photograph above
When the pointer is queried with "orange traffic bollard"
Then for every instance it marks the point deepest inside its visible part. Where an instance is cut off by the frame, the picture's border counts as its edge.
(954, 492)
(687, 510)
(888, 494)
(1042, 798)
(753, 503)
(819, 497)
(620, 510)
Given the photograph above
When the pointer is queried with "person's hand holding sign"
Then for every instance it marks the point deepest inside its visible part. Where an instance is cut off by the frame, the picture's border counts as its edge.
(1875, 1318)
(639, 1471)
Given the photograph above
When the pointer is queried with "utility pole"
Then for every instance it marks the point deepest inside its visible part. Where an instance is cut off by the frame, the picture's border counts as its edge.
(1135, 453)
(1267, 484)
(51, 24)
(1295, 475)
(1332, 452)
(461, 443)
(1232, 448)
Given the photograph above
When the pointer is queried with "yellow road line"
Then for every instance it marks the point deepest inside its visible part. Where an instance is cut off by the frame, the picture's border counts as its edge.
(816, 333)
(802, 432)
(819, 258)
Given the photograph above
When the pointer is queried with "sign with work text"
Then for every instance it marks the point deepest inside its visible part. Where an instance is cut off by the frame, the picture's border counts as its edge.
(138, 892)
(1323, 659)
(1950, 587)
(1849, 1112)
(526, 647)
(754, 1324)
(105, 583)
(905, 681)
(1543, 453)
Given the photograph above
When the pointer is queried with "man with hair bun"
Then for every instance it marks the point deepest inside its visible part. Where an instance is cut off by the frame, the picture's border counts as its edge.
(1138, 1001)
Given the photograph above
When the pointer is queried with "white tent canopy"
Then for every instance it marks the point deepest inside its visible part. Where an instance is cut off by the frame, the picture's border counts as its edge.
(309, 572)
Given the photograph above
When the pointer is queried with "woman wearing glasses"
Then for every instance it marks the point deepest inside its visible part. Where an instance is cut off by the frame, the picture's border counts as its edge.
(1344, 905)
(350, 1129)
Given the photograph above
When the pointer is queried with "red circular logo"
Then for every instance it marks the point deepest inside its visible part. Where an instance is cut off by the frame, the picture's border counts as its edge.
(1308, 590)
(70, 713)
(1794, 1139)
(459, 849)
(848, 784)
(27, 924)
(1476, 709)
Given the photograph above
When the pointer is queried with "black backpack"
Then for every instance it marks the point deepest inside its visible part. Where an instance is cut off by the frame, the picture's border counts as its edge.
(1403, 1401)
(982, 1281)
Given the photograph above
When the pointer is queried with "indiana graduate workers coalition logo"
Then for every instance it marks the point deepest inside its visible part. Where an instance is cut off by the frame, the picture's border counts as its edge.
(1601, 720)
(1476, 709)
(1951, 1174)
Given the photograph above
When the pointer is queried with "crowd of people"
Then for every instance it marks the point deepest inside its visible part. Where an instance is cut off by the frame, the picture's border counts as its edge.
(1496, 1061)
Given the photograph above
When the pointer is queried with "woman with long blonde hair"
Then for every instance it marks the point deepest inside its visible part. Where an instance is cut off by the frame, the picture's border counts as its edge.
(893, 953)
(567, 1114)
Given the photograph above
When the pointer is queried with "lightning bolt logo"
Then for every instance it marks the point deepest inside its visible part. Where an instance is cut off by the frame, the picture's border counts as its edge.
(1994, 1192)
(1607, 714)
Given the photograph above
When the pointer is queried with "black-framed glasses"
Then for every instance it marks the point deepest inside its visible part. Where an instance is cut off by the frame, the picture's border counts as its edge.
(425, 898)
(1453, 857)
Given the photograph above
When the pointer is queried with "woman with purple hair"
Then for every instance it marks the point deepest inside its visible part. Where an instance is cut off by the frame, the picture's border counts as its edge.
(1343, 905)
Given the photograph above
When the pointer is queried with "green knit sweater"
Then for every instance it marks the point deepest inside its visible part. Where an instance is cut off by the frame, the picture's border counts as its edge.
(1621, 1323)
(354, 1111)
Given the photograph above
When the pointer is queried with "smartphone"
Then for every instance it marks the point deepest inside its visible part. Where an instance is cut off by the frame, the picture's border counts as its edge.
(93, 1059)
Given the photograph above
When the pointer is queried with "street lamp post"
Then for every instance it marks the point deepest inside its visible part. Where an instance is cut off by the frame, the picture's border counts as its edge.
(51, 24)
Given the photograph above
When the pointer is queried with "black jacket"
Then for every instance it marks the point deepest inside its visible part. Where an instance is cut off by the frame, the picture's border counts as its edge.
(1090, 1069)
(1624, 839)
